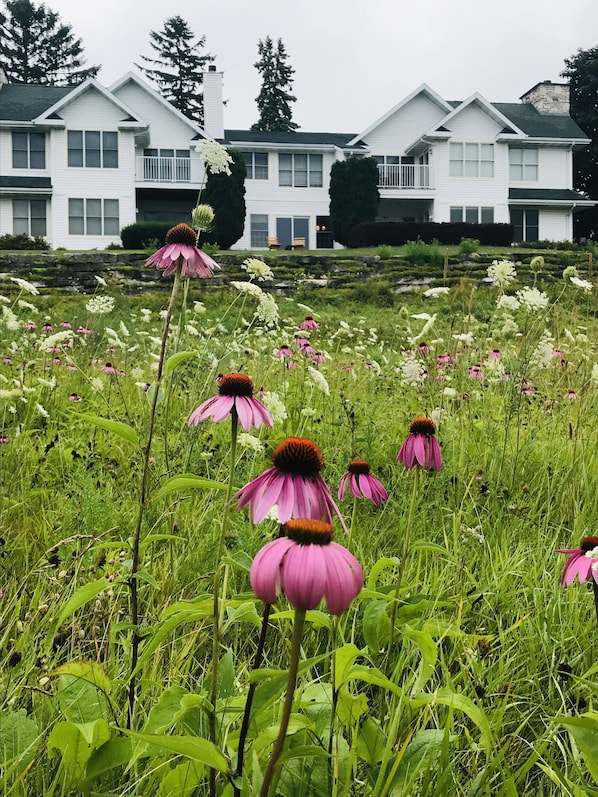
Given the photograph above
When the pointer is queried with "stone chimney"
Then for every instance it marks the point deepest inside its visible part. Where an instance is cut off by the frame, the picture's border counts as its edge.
(548, 97)
(213, 108)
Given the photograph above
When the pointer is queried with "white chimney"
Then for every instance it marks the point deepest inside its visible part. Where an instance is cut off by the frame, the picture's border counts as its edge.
(213, 107)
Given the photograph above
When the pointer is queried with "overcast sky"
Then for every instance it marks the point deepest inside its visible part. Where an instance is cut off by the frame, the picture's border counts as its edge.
(353, 59)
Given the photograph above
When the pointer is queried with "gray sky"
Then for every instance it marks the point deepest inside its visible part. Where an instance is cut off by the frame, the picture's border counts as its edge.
(353, 59)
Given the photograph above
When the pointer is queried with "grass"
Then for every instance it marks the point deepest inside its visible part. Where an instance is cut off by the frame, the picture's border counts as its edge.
(490, 685)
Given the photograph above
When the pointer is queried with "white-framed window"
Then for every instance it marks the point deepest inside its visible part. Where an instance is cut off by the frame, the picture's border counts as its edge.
(28, 150)
(92, 149)
(472, 214)
(256, 164)
(300, 170)
(471, 160)
(259, 230)
(29, 216)
(93, 217)
(523, 163)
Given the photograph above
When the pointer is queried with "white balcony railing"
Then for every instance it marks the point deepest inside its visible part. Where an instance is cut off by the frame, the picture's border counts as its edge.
(404, 175)
(163, 170)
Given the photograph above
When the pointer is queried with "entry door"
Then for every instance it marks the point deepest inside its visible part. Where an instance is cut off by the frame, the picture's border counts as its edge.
(293, 227)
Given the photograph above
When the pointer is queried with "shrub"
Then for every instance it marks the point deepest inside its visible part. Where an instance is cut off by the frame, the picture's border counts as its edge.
(137, 236)
(226, 195)
(468, 246)
(354, 195)
(420, 253)
(380, 294)
(384, 252)
(22, 241)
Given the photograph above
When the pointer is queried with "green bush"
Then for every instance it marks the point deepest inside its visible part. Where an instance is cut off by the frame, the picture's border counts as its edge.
(23, 241)
(384, 252)
(422, 254)
(469, 246)
(138, 235)
(226, 195)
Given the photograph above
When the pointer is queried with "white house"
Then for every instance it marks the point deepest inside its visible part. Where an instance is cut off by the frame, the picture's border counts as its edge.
(79, 163)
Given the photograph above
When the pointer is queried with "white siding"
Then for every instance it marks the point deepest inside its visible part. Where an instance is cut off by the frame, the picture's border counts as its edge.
(401, 129)
(555, 225)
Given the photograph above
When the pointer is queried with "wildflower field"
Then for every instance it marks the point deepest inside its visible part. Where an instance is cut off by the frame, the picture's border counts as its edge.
(190, 606)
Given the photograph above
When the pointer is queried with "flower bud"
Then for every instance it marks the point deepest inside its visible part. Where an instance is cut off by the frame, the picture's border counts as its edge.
(202, 216)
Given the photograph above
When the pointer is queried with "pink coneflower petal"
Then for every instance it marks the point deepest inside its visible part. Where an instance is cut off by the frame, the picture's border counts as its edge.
(344, 578)
(343, 486)
(304, 576)
(265, 572)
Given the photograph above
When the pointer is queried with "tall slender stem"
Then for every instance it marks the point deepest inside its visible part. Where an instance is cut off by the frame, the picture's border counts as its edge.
(353, 519)
(288, 701)
(404, 555)
(595, 586)
(133, 585)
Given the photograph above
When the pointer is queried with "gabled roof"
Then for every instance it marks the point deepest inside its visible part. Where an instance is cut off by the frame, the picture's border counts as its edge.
(20, 102)
(423, 89)
(487, 107)
(130, 118)
(292, 138)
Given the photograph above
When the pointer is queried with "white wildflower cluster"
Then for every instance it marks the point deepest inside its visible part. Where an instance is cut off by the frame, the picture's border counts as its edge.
(215, 157)
(56, 340)
(11, 322)
(146, 315)
(10, 393)
(434, 293)
(594, 375)
(199, 308)
(113, 339)
(42, 410)
(101, 281)
(542, 355)
(412, 371)
(502, 273)
(250, 443)
(508, 303)
(494, 370)
(509, 327)
(100, 305)
(267, 309)
(250, 288)
(585, 285)
(464, 337)
(319, 380)
(257, 269)
(23, 305)
(532, 299)
(25, 286)
(273, 403)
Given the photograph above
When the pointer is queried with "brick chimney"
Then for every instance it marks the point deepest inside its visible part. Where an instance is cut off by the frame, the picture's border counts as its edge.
(213, 108)
(548, 97)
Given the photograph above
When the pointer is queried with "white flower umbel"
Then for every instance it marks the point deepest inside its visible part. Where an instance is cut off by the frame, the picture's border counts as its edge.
(273, 403)
(248, 287)
(434, 293)
(532, 299)
(11, 322)
(100, 305)
(542, 355)
(583, 284)
(502, 273)
(412, 371)
(267, 309)
(594, 375)
(215, 157)
(508, 303)
(56, 340)
(25, 286)
(319, 380)
(251, 443)
(257, 269)
(42, 410)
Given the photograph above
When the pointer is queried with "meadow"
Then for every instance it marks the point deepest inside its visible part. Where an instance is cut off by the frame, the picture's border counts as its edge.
(462, 666)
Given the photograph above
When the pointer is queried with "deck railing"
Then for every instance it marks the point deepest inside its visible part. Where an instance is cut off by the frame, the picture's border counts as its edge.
(163, 170)
(404, 175)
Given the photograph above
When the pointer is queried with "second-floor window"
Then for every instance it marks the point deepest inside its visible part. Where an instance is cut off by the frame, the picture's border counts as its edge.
(523, 163)
(28, 151)
(471, 160)
(93, 149)
(256, 164)
(300, 170)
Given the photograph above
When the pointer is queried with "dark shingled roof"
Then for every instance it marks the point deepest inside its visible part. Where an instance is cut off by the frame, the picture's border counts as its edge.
(539, 125)
(25, 182)
(296, 138)
(552, 194)
(22, 103)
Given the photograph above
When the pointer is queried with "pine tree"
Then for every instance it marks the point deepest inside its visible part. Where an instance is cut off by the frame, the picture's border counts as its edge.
(179, 66)
(274, 100)
(35, 47)
(582, 72)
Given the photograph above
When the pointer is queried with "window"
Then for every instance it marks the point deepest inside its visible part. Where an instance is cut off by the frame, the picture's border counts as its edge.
(256, 164)
(93, 149)
(523, 163)
(259, 230)
(471, 160)
(29, 216)
(300, 170)
(472, 215)
(93, 217)
(525, 223)
(28, 151)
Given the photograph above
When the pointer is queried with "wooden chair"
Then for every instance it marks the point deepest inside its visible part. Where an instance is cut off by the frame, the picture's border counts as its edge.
(298, 243)
(273, 243)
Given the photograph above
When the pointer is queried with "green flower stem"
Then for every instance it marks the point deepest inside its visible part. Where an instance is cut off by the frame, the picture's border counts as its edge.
(288, 701)
(333, 759)
(595, 586)
(133, 581)
(353, 519)
(257, 663)
(404, 555)
(216, 619)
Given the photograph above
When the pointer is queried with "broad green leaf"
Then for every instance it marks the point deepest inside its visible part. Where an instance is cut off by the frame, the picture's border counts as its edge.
(421, 754)
(188, 481)
(429, 653)
(376, 625)
(371, 742)
(193, 747)
(116, 427)
(82, 596)
(89, 671)
(80, 700)
(163, 714)
(183, 780)
(344, 658)
(151, 392)
(18, 736)
(176, 359)
(350, 708)
(246, 613)
(446, 697)
(378, 567)
(113, 753)
(297, 722)
(370, 675)
(584, 731)
(143, 575)
(76, 744)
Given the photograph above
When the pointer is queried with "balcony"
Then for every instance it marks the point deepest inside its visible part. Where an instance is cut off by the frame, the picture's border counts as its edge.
(163, 170)
(404, 175)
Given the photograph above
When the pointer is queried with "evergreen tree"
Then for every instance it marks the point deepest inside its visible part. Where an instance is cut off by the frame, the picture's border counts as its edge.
(354, 195)
(35, 47)
(582, 71)
(274, 100)
(179, 66)
(226, 194)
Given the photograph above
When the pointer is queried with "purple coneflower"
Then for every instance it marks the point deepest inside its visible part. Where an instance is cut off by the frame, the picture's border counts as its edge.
(108, 368)
(307, 566)
(181, 243)
(30, 325)
(318, 357)
(361, 483)
(47, 328)
(421, 446)
(284, 351)
(83, 331)
(300, 342)
(74, 397)
(234, 391)
(423, 348)
(66, 325)
(571, 394)
(495, 354)
(309, 323)
(444, 359)
(582, 562)
(293, 485)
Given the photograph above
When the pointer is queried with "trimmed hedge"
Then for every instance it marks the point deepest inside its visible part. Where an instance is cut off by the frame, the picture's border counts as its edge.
(140, 234)
(22, 241)
(397, 233)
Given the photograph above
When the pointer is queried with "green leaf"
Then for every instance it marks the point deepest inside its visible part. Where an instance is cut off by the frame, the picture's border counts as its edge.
(163, 715)
(176, 359)
(183, 780)
(421, 754)
(370, 675)
(378, 567)
(429, 653)
(151, 392)
(376, 625)
(193, 747)
(344, 658)
(80, 701)
(188, 481)
(371, 742)
(584, 731)
(82, 596)
(76, 743)
(113, 753)
(116, 427)
(89, 671)
(446, 697)
(18, 736)
(143, 575)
